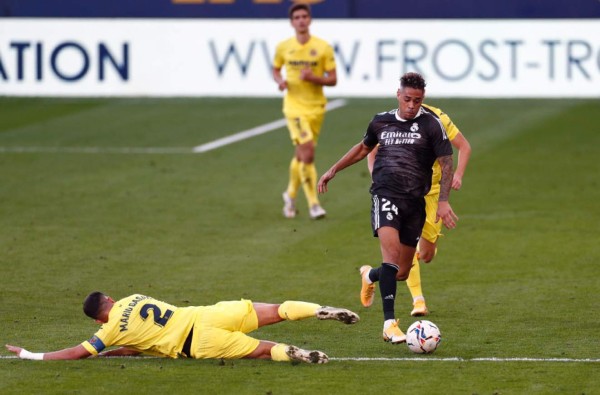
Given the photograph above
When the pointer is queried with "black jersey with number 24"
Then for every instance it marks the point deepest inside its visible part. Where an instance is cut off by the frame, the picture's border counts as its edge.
(406, 154)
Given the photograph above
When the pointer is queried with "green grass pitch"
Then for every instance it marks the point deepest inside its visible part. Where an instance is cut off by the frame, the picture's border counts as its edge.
(83, 207)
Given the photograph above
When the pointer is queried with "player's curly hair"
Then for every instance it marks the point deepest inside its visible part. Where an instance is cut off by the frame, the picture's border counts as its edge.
(298, 6)
(93, 303)
(412, 80)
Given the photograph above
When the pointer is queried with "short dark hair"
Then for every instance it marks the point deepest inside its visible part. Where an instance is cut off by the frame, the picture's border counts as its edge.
(412, 80)
(298, 6)
(93, 303)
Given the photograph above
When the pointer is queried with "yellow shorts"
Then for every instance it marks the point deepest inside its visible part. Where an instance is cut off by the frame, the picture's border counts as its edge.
(431, 230)
(305, 128)
(220, 330)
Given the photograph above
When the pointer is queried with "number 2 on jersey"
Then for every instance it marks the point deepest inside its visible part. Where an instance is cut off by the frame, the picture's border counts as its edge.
(159, 319)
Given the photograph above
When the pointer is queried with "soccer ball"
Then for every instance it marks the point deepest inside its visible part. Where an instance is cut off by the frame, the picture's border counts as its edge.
(423, 337)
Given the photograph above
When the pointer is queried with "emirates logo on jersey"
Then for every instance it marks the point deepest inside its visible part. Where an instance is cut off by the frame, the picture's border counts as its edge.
(414, 127)
(394, 138)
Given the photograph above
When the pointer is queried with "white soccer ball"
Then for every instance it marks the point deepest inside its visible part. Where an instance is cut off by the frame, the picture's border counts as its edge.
(423, 337)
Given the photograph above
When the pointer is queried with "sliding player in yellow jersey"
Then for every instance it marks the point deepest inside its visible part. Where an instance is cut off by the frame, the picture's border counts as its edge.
(432, 230)
(309, 65)
(140, 324)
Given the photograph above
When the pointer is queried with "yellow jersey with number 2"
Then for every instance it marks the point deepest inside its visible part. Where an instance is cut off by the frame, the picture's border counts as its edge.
(144, 324)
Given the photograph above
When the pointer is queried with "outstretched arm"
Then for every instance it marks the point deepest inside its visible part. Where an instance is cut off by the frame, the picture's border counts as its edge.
(355, 154)
(77, 352)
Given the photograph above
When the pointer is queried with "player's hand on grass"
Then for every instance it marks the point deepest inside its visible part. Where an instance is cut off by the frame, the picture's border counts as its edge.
(14, 349)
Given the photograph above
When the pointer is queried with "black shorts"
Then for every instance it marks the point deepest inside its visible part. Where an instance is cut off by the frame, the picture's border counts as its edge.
(405, 215)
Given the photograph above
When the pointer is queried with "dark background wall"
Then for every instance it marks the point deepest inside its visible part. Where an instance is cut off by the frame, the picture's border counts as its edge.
(496, 9)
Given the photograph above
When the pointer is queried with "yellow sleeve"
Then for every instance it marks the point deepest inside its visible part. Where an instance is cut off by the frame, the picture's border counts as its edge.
(451, 129)
(329, 58)
(279, 61)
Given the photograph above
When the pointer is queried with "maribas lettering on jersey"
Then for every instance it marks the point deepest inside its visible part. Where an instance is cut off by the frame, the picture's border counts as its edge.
(128, 310)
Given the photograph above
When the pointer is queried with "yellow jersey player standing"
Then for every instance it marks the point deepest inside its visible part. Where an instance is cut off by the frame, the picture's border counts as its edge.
(432, 230)
(141, 324)
(309, 65)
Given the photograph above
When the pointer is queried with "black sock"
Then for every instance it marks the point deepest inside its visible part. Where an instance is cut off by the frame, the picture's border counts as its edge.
(374, 274)
(387, 288)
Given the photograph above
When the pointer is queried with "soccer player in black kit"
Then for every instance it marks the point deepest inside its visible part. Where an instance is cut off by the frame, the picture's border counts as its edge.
(410, 139)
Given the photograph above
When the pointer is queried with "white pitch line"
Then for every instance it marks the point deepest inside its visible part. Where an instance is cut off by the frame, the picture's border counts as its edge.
(423, 359)
(246, 134)
(458, 359)
(96, 150)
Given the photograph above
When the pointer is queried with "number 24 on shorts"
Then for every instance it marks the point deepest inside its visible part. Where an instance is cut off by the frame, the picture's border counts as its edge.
(387, 206)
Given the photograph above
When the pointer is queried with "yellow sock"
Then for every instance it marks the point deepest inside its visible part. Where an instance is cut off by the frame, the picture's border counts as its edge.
(294, 182)
(414, 279)
(278, 353)
(308, 175)
(292, 310)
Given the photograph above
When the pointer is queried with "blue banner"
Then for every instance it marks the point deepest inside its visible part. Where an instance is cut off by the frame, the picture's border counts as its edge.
(346, 9)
